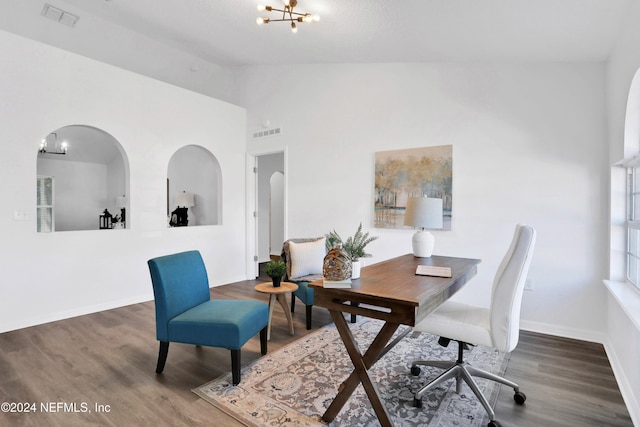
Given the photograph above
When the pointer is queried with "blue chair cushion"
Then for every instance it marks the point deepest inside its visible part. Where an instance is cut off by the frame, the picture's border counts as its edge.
(220, 323)
(304, 292)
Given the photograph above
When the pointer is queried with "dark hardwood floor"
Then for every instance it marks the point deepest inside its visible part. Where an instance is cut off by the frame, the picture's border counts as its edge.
(99, 369)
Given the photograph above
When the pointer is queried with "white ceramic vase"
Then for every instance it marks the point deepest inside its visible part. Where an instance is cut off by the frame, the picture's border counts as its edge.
(355, 269)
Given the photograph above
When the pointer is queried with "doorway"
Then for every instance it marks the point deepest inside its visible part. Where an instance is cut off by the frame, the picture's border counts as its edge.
(270, 206)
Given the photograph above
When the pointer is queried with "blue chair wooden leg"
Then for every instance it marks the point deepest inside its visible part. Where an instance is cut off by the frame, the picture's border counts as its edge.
(263, 341)
(235, 365)
(309, 307)
(162, 356)
(293, 303)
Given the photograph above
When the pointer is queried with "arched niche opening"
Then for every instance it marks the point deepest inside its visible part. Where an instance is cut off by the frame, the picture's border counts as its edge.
(82, 178)
(194, 188)
(632, 119)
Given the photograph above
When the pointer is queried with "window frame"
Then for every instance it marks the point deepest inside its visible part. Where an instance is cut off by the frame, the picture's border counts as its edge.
(40, 185)
(632, 223)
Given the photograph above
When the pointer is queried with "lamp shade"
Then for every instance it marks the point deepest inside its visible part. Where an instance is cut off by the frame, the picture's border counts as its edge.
(424, 212)
(121, 202)
(185, 199)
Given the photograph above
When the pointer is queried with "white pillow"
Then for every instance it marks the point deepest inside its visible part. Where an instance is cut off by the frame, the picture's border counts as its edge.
(307, 258)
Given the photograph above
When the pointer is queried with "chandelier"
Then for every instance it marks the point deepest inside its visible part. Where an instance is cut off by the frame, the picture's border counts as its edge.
(58, 148)
(288, 15)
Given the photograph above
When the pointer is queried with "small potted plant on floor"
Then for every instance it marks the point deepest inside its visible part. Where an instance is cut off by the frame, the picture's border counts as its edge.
(275, 270)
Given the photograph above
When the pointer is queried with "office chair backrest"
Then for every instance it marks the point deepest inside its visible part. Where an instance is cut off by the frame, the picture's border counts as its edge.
(180, 282)
(508, 287)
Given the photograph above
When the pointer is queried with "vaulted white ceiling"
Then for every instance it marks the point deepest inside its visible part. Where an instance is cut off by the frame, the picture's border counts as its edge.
(224, 32)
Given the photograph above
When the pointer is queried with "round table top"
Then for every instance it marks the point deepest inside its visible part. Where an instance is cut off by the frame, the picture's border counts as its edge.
(268, 288)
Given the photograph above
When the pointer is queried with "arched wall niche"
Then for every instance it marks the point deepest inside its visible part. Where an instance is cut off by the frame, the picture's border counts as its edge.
(194, 172)
(81, 172)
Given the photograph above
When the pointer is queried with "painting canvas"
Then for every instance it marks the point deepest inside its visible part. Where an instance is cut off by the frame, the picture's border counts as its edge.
(414, 172)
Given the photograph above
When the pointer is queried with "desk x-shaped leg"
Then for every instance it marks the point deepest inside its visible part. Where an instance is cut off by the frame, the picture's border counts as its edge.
(362, 364)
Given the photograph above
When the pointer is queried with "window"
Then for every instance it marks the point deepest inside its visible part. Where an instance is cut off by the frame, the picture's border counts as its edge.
(44, 197)
(633, 222)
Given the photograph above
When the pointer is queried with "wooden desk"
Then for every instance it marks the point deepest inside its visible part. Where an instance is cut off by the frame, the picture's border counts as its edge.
(390, 291)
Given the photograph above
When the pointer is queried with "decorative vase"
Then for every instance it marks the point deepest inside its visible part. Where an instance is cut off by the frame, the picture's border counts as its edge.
(276, 281)
(336, 265)
(355, 269)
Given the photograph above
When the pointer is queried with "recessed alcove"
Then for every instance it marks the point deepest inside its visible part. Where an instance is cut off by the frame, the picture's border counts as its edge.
(81, 172)
(194, 186)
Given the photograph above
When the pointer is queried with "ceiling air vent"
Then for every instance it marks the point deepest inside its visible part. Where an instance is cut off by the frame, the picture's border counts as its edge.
(264, 133)
(59, 15)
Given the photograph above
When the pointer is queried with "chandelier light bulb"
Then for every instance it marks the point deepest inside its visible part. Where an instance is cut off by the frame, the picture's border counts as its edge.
(288, 15)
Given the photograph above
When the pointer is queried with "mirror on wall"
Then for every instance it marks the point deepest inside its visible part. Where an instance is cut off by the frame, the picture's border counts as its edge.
(194, 188)
(82, 181)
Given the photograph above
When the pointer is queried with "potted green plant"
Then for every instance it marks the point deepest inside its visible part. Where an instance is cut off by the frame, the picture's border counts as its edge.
(275, 270)
(354, 246)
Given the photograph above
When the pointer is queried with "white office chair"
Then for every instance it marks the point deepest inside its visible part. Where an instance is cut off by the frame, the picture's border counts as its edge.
(497, 326)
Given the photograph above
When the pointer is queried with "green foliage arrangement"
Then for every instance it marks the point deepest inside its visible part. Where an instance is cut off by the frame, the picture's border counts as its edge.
(354, 245)
(275, 268)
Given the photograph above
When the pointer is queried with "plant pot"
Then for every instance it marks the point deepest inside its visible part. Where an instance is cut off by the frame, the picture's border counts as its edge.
(355, 269)
(276, 281)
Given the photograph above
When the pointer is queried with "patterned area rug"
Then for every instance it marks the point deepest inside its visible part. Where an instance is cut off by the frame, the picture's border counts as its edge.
(294, 385)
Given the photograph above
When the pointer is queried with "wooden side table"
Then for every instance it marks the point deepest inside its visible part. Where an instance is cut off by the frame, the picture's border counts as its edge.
(279, 294)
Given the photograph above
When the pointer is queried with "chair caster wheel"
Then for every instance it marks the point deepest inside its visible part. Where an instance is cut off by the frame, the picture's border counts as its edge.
(493, 423)
(417, 403)
(415, 370)
(519, 397)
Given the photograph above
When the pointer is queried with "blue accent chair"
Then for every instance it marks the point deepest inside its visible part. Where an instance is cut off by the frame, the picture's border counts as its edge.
(185, 312)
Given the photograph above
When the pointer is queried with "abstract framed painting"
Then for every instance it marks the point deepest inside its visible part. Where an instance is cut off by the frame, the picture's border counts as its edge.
(413, 172)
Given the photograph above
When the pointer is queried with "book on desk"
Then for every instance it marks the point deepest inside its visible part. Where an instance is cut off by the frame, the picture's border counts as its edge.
(432, 270)
(346, 283)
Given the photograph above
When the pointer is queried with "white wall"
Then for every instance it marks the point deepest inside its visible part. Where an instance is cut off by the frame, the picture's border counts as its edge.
(56, 275)
(527, 147)
(623, 335)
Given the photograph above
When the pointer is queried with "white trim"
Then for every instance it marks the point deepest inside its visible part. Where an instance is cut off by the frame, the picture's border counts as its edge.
(251, 203)
(632, 162)
(628, 297)
(632, 403)
(67, 314)
(573, 333)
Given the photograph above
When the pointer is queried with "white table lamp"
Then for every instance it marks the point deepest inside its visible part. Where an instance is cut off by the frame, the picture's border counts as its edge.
(185, 199)
(423, 212)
